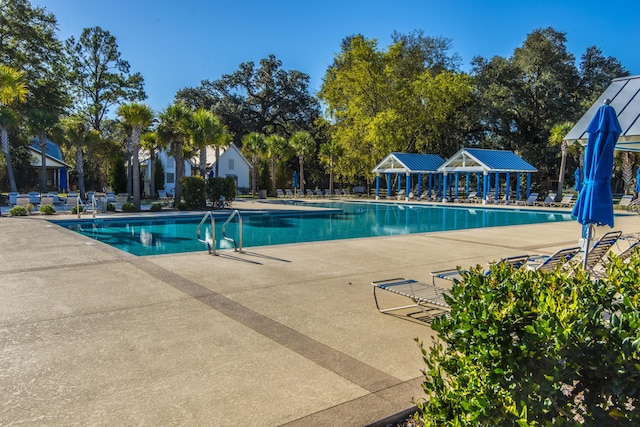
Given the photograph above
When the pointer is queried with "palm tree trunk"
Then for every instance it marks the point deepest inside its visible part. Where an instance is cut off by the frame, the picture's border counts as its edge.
(627, 171)
(177, 155)
(135, 151)
(152, 181)
(217, 163)
(80, 169)
(43, 165)
(254, 174)
(301, 174)
(4, 135)
(203, 162)
(563, 162)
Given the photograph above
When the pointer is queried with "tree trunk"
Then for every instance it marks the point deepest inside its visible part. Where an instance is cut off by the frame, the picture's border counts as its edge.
(563, 162)
(627, 171)
(80, 169)
(217, 162)
(254, 175)
(301, 174)
(152, 179)
(4, 135)
(177, 155)
(203, 162)
(129, 167)
(135, 151)
(43, 165)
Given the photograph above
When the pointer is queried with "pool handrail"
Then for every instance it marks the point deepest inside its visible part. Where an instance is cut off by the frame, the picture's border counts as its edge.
(211, 247)
(224, 226)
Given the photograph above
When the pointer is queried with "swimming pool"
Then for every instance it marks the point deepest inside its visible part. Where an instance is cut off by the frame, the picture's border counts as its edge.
(146, 235)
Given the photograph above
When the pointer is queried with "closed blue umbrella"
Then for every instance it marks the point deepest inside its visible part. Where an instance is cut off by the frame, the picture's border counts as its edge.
(63, 179)
(578, 175)
(595, 201)
(638, 181)
(295, 179)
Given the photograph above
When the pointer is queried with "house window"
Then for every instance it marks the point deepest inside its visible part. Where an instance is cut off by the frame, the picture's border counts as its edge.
(230, 164)
(171, 162)
(170, 178)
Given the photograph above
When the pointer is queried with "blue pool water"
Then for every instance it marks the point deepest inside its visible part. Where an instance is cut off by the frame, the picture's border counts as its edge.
(146, 235)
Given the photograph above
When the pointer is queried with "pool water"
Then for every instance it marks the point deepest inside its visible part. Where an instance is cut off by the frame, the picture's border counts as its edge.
(166, 235)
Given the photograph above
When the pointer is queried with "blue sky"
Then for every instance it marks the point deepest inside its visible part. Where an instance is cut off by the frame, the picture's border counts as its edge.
(176, 44)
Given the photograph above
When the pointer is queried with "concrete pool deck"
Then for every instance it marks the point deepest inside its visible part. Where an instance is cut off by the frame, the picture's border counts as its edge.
(281, 335)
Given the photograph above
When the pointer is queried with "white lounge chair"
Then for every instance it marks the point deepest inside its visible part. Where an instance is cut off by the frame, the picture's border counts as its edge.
(319, 193)
(551, 197)
(327, 193)
(567, 201)
(401, 195)
(551, 262)
(427, 298)
(337, 191)
(288, 193)
(280, 193)
(530, 200)
(310, 193)
(451, 274)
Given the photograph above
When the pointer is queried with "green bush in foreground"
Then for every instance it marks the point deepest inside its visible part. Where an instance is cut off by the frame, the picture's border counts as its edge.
(537, 349)
(47, 210)
(155, 207)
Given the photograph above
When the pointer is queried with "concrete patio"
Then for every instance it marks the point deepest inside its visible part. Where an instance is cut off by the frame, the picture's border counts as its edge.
(281, 335)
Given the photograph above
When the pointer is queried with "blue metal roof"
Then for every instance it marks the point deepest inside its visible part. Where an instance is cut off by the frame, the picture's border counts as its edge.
(53, 150)
(420, 162)
(470, 159)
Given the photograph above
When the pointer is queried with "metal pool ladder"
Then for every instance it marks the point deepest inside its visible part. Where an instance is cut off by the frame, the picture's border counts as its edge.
(211, 245)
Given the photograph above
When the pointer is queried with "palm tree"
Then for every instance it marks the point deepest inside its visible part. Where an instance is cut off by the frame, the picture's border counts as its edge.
(173, 130)
(206, 130)
(276, 146)
(558, 132)
(12, 88)
(328, 154)
(78, 135)
(150, 141)
(254, 147)
(138, 117)
(302, 144)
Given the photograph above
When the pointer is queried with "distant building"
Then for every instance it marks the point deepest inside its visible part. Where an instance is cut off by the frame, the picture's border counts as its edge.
(231, 164)
(57, 169)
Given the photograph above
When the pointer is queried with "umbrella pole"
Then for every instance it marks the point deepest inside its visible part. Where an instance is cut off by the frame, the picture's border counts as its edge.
(590, 232)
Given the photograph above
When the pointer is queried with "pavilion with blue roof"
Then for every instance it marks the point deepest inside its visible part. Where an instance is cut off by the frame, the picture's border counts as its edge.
(408, 165)
(491, 169)
(57, 169)
(485, 171)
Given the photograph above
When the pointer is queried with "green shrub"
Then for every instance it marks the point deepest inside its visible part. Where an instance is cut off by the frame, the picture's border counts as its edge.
(111, 207)
(531, 348)
(155, 207)
(74, 209)
(219, 188)
(181, 206)
(129, 207)
(193, 192)
(18, 211)
(47, 210)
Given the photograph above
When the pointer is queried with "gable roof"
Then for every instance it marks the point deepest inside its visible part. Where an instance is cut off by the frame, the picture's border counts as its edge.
(624, 94)
(481, 160)
(409, 163)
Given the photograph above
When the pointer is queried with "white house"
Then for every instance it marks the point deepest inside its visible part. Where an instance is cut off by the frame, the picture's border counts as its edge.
(231, 164)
